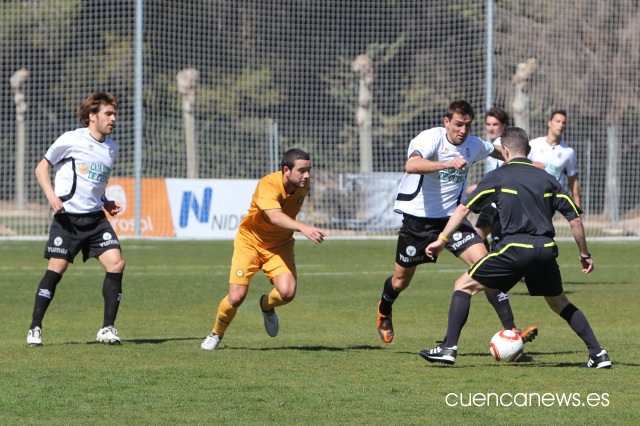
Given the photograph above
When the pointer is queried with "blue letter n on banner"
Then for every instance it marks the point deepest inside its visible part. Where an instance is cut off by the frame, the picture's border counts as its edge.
(189, 202)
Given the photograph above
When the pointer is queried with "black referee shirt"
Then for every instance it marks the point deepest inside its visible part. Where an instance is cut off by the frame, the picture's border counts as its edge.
(526, 198)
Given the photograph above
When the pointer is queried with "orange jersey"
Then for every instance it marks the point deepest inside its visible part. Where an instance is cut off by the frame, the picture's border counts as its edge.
(270, 194)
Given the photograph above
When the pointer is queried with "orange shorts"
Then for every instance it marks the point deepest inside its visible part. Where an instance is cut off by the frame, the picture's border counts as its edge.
(248, 258)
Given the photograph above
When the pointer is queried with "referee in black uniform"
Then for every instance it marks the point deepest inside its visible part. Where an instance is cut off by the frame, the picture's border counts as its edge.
(526, 198)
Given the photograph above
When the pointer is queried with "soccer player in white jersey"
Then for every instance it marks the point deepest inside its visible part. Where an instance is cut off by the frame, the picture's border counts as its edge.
(558, 157)
(83, 160)
(438, 161)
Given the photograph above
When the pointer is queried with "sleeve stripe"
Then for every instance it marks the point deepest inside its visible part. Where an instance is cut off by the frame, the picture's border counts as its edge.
(488, 191)
(509, 191)
(548, 194)
(570, 202)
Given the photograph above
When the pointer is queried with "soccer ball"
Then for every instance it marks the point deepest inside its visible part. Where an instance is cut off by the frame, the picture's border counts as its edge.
(506, 345)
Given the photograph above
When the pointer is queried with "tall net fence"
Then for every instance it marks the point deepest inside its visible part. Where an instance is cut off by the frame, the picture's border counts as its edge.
(228, 86)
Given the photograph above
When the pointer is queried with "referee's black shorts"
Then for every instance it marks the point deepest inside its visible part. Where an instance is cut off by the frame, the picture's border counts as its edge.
(512, 259)
(92, 233)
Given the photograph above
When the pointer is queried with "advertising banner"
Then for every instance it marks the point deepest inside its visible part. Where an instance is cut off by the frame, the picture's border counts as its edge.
(155, 216)
(209, 208)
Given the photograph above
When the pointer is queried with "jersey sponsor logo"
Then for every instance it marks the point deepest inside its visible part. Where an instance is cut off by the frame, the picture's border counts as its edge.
(83, 169)
(411, 251)
(99, 173)
(453, 175)
(239, 273)
(457, 236)
(468, 152)
(300, 200)
(43, 292)
(57, 241)
(106, 236)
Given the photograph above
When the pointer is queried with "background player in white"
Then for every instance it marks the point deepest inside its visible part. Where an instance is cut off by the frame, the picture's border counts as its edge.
(438, 161)
(496, 121)
(83, 160)
(558, 157)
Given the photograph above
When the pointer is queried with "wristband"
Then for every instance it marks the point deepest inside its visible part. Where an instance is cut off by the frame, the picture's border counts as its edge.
(443, 238)
(588, 256)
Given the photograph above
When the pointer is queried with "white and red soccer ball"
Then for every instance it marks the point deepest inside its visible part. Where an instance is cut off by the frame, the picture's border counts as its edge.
(506, 346)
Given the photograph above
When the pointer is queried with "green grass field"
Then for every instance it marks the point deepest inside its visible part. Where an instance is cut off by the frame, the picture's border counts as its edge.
(328, 365)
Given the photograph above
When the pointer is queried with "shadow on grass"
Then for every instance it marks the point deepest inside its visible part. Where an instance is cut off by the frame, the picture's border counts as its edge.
(134, 341)
(308, 348)
(528, 361)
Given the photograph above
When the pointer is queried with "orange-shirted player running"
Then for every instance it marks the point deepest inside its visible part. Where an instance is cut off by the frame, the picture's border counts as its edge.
(265, 241)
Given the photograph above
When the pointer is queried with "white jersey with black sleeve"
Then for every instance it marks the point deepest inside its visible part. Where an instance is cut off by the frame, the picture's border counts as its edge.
(83, 166)
(436, 195)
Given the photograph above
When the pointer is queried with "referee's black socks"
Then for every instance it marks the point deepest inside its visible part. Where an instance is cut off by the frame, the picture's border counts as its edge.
(44, 295)
(112, 293)
(500, 302)
(578, 323)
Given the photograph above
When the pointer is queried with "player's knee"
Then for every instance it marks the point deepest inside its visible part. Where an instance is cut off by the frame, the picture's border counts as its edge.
(117, 266)
(235, 300)
(468, 285)
(288, 294)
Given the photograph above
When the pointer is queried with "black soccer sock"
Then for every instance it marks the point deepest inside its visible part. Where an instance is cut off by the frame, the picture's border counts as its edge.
(578, 323)
(44, 296)
(389, 295)
(500, 302)
(112, 293)
(458, 314)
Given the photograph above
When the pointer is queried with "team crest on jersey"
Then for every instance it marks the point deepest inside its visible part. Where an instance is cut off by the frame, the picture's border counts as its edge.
(57, 242)
(239, 273)
(90, 147)
(411, 251)
(300, 200)
(106, 236)
(457, 236)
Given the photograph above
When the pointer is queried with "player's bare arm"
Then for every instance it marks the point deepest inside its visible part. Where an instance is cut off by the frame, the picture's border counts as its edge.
(497, 152)
(459, 215)
(44, 180)
(574, 186)
(278, 218)
(421, 166)
(577, 229)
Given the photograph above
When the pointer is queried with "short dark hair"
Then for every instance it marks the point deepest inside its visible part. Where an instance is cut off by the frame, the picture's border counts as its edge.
(516, 139)
(558, 111)
(461, 107)
(499, 114)
(289, 158)
(93, 104)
